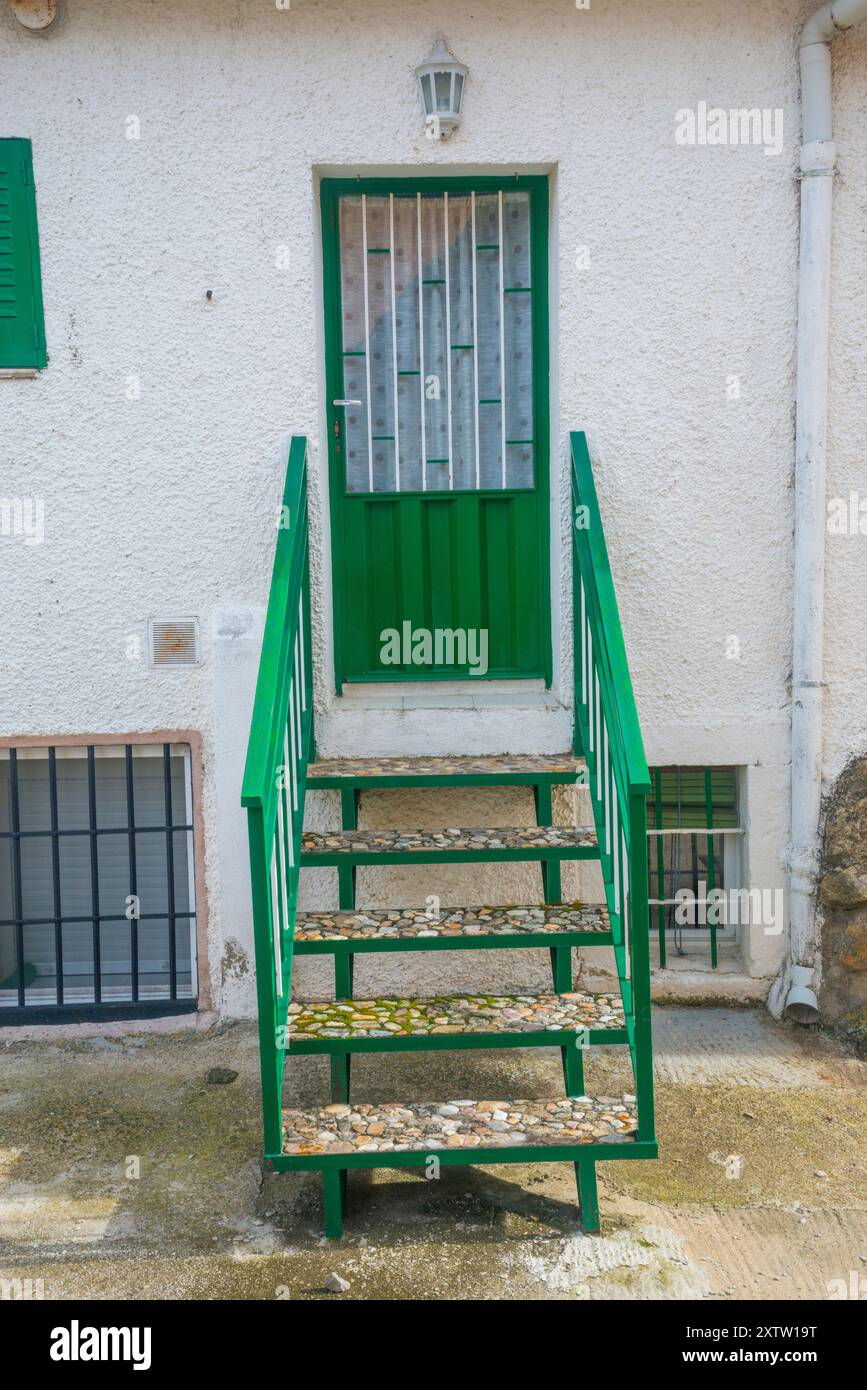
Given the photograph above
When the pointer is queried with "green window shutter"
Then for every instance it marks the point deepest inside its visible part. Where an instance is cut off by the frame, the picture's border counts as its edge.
(22, 326)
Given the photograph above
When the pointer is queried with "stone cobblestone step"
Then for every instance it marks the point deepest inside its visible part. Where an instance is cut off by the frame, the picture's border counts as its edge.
(492, 1020)
(502, 768)
(459, 1124)
(449, 845)
(406, 928)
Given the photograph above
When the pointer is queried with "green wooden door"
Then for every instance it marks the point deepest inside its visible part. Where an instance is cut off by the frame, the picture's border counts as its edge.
(437, 381)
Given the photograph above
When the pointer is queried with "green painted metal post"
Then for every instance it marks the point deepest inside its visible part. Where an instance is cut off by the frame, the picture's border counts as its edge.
(573, 1067)
(660, 864)
(550, 868)
(639, 944)
(334, 1197)
(346, 873)
(344, 974)
(711, 866)
(341, 1062)
(588, 1196)
(561, 957)
(340, 1077)
(344, 962)
(270, 1048)
(561, 969)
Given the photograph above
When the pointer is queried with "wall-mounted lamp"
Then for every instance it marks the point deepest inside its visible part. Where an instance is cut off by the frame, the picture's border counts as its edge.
(35, 14)
(441, 80)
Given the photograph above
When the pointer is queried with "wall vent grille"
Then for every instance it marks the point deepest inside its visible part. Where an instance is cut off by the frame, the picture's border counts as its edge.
(173, 641)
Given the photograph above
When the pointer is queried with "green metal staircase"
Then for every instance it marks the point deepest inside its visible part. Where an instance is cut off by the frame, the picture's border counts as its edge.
(607, 758)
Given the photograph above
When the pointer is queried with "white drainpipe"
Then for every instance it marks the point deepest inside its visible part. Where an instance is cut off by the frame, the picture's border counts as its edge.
(794, 991)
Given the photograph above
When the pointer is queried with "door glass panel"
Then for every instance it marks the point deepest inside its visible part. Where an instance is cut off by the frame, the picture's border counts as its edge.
(437, 319)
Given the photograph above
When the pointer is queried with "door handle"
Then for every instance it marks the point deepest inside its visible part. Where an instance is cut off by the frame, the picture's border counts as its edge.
(346, 402)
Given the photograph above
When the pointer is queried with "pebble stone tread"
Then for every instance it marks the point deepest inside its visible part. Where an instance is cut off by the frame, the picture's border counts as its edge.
(448, 841)
(459, 1124)
(452, 1014)
(409, 923)
(493, 765)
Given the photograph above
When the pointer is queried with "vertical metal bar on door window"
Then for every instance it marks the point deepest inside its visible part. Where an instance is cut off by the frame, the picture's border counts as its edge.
(367, 343)
(502, 339)
(448, 336)
(55, 873)
(394, 344)
(94, 874)
(170, 871)
(15, 821)
(421, 344)
(133, 874)
(475, 338)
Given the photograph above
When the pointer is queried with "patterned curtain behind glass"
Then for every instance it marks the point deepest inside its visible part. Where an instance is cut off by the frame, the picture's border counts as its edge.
(437, 346)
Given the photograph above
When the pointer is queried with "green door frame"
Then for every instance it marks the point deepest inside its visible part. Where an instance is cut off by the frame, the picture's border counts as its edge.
(537, 186)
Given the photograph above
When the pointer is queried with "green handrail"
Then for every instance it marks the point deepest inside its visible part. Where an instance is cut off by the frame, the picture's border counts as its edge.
(275, 779)
(608, 735)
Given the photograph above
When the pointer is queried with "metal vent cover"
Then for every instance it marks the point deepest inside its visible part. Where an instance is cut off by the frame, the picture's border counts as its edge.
(173, 641)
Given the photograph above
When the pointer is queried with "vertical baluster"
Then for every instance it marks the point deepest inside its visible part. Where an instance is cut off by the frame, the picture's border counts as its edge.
(282, 864)
(598, 738)
(285, 793)
(275, 924)
(606, 777)
(626, 923)
(296, 705)
(302, 651)
(583, 644)
(590, 670)
(292, 755)
(616, 867)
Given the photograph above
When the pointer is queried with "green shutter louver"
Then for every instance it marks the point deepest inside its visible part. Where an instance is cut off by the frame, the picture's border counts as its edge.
(22, 326)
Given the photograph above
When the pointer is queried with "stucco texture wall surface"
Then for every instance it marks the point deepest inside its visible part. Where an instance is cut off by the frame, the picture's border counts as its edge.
(157, 434)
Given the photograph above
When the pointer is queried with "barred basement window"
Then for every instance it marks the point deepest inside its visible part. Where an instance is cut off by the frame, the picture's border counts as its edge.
(694, 843)
(97, 885)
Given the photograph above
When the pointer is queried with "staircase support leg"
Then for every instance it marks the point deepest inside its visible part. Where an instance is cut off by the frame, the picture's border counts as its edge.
(346, 873)
(334, 1196)
(561, 969)
(550, 867)
(561, 956)
(344, 971)
(573, 1069)
(588, 1197)
(341, 1063)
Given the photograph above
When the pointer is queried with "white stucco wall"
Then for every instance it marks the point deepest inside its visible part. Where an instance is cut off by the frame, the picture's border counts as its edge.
(164, 504)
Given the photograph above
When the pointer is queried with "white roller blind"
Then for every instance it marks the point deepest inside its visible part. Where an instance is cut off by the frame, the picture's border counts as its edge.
(112, 872)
